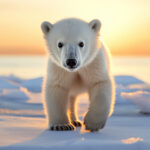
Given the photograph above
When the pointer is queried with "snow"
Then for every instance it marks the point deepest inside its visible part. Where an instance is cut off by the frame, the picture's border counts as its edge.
(23, 124)
(33, 85)
(141, 98)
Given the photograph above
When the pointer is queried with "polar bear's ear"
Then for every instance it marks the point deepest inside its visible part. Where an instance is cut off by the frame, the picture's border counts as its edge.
(46, 27)
(95, 25)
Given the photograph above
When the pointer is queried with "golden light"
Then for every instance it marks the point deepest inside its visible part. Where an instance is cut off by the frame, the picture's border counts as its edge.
(132, 140)
(125, 24)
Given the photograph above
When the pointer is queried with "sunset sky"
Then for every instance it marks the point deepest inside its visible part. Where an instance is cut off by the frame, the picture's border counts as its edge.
(125, 23)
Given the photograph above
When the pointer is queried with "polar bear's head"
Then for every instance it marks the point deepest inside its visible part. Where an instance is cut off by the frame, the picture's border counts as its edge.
(72, 43)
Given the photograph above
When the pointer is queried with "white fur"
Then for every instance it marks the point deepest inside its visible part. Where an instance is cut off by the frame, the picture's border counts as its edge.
(92, 76)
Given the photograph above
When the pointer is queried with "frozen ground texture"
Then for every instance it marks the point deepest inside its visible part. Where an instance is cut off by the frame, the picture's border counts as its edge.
(23, 125)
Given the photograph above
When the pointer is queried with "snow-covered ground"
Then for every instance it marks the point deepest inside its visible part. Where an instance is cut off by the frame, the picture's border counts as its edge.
(23, 124)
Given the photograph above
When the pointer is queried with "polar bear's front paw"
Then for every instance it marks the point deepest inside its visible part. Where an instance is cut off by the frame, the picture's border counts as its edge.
(93, 122)
(76, 123)
(62, 127)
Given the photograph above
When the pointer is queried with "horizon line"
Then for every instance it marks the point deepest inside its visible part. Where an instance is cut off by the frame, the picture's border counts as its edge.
(45, 54)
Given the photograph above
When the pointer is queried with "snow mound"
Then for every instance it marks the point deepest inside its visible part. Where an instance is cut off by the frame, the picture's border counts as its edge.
(33, 85)
(140, 98)
(127, 80)
(8, 84)
(14, 94)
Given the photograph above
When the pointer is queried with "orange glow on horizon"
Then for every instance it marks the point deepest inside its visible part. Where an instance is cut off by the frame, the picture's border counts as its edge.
(125, 24)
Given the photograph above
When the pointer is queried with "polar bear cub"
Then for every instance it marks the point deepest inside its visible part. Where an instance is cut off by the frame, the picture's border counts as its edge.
(78, 62)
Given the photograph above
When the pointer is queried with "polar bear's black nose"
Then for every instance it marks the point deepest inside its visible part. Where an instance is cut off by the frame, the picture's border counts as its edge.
(71, 63)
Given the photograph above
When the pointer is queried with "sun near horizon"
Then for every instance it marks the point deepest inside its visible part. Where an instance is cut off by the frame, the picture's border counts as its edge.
(125, 24)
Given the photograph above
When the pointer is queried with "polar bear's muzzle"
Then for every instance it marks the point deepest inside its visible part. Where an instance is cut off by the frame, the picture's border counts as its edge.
(71, 61)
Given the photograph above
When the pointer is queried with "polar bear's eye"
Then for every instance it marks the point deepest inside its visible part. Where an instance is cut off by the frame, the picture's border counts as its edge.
(81, 44)
(60, 44)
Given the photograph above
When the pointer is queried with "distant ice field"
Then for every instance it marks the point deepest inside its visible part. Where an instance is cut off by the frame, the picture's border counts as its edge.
(35, 66)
